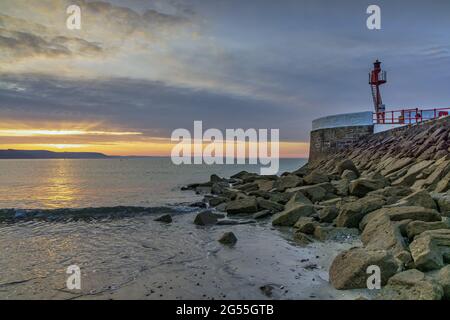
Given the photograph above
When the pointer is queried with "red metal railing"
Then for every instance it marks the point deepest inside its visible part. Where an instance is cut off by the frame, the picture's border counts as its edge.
(409, 116)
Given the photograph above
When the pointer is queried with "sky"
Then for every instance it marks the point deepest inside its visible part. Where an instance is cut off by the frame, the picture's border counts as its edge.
(137, 70)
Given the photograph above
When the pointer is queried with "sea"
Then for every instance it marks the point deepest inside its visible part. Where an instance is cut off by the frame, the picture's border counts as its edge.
(99, 216)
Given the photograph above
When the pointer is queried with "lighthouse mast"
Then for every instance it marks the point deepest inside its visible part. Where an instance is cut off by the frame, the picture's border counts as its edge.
(377, 77)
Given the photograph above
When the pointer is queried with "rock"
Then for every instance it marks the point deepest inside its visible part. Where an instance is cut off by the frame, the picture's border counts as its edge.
(301, 238)
(341, 186)
(443, 278)
(269, 205)
(381, 233)
(286, 182)
(412, 212)
(306, 225)
(411, 285)
(349, 269)
(227, 222)
(410, 177)
(431, 249)
(262, 214)
(297, 199)
(390, 191)
(315, 177)
(281, 198)
(240, 175)
(328, 214)
(167, 218)
(415, 228)
(241, 206)
(351, 213)
(198, 204)
(215, 201)
(290, 217)
(215, 178)
(205, 218)
(266, 290)
(360, 187)
(396, 165)
(419, 198)
(347, 165)
(264, 185)
(247, 187)
(349, 175)
(443, 185)
(323, 233)
(228, 238)
(314, 193)
(443, 202)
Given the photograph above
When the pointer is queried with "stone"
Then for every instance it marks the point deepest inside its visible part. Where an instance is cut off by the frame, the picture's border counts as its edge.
(314, 193)
(306, 225)
(410, 177)
(228, 238)
(411, 212)
(215, 201)
(419, 198)
(411, 285)
(290, 216)
(431, 249)
(443, 202)
(286, 182)
(264, 185)
(341, 186)
(396, 165)
(205, 218)
(269, 205)
(328, 214)
(351, 213)
(415, 228)
(349, 268)
(315, 177)
(262, 214)
(349, 175)
(167, 218)
(443, 278)
(242, 206)
(279, 197)
(360, 187)
(328, 233)
(297, 199)
(381, 233)
(215, 178)
(301, 238)
(443, 185)
(347, 164)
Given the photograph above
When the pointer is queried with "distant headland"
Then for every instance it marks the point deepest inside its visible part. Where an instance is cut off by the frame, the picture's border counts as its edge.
(45, 154)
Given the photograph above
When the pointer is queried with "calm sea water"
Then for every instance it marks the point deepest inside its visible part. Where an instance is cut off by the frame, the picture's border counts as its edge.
(135, 257)
(38, 184)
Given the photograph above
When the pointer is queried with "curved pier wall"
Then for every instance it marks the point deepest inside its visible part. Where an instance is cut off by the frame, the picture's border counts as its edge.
(335, 133)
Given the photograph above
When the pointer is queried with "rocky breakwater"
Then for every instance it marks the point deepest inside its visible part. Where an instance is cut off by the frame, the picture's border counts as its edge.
(389, 189)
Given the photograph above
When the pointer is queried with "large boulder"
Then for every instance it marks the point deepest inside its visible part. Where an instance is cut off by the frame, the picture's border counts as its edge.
(360, 187)
(241, 206)
(205, 218)
(431, 249)
(347, 164)
(328, 214)
(410, 177)
(380, 233)
(349, 175)
(315, 193)
(349, 269)
(286, 182)
(167, 218)
(443, 202)
(298, 198)
(306, 225)
(341, 186)
(228, 238)
(290, 216)
(443, 278)
(415, 228)
(315, 177)
(419, 198)
(352, 213)
(269, 205)
(411, 285)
